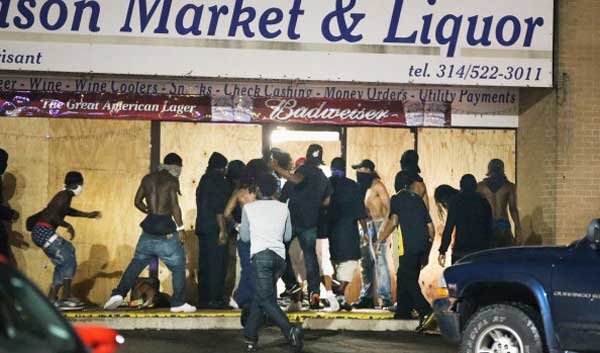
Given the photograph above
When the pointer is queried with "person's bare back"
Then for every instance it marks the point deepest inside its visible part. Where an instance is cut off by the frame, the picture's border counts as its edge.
(499, 200)
(159, 191)
(240, 197)
(502, 196)
(157, 196)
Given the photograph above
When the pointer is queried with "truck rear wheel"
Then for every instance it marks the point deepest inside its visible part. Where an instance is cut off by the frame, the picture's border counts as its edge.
(502, 328)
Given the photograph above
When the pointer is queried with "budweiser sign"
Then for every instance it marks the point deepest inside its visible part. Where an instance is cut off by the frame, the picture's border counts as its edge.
(286, 109)
(350, 112)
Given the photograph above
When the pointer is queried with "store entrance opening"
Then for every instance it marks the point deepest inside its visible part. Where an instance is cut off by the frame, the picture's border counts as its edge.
(296, 142)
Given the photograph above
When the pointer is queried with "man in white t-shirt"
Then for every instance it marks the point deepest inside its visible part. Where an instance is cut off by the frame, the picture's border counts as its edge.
(266, 224)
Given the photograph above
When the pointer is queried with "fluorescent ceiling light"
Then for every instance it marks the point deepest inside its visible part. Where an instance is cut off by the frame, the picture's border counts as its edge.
(284, 135)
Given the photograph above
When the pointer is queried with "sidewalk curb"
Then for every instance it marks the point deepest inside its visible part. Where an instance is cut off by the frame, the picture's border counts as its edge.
(233, 323)
(157, 319)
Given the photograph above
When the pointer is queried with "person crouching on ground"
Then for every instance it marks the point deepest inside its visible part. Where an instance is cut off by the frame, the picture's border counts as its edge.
(266, 224)
(59, 250)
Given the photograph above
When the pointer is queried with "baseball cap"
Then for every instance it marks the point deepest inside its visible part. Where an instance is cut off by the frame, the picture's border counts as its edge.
(299, 161)
(366, 163)
(315, 154)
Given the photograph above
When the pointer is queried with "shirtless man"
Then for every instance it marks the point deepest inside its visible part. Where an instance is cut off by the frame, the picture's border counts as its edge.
(161, 236)
(60, 251)
(502, 196)
(377, 202)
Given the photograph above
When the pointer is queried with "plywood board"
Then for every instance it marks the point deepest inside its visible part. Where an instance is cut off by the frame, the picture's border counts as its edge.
(195, 143)
(445, 156)
(26, 188)
(113, 156)
(384, 146)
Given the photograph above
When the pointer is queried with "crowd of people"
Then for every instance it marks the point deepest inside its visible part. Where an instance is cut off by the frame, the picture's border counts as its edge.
(260, 207)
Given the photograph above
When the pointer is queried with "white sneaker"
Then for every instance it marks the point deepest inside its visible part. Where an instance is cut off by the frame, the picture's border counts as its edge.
(294, 307)
(185, 308)
(114, 302)
(334, 306)
(233, 303)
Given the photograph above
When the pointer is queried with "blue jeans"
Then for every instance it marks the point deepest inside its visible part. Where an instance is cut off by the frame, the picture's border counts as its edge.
(245, 290)
(308, 243)
(62, 254)
(373, 265)
(169, 250)
(268, 268)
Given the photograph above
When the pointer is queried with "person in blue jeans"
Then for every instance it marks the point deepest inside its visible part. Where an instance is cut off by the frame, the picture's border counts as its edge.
(374, 265)
(309, 191)
(374, 255)
(244, 194)
(266, 224)
(161, 236)
(61, 252)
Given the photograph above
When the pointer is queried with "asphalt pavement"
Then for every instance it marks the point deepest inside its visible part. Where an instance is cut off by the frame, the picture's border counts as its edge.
(270, 342)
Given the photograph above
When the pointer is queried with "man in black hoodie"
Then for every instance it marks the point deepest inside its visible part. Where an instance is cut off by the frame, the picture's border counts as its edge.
(212, 195)
(471, 215)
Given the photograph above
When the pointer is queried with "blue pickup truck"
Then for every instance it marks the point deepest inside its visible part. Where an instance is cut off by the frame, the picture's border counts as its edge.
(525, 300)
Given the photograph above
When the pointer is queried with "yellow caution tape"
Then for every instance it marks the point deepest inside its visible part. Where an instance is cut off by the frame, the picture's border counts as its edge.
(165, 313)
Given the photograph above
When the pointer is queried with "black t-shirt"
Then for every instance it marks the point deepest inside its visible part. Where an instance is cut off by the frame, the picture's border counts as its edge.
(305, 199)
(413, 218)
(345, 209)
(212, 195)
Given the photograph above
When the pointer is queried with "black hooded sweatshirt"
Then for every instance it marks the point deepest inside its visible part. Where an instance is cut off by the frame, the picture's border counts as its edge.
(471, 214)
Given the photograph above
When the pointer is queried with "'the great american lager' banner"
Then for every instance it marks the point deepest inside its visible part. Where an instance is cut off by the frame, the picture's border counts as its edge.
(104, 106)
(240, 109)
(448, 42)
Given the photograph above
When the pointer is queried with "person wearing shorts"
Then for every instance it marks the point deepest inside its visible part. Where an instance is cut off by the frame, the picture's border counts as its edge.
(60, 251)
(346, 210)
(326, 269)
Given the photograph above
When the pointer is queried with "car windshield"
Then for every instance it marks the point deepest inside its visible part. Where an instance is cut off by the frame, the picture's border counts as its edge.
(27, 321)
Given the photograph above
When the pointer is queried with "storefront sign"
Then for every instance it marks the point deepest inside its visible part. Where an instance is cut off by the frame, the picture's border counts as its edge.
(492, 107)
(448, 42)
(350, 112)
(104, 106)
